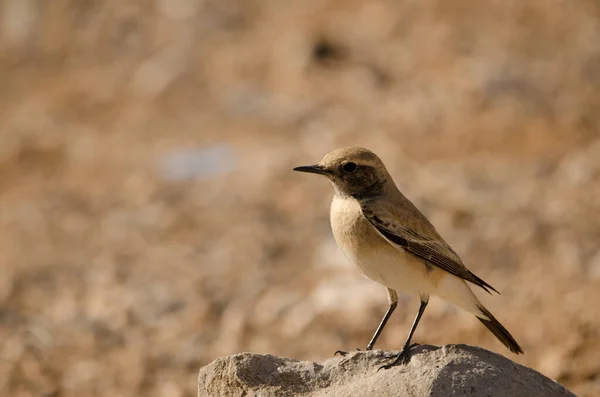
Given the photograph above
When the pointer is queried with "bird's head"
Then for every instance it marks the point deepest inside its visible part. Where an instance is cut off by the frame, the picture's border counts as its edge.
(353, 171)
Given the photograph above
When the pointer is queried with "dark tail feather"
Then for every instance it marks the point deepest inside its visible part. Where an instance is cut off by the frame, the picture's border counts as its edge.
(499, 331)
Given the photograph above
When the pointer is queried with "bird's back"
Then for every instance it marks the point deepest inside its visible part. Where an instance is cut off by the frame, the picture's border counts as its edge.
(408, 216)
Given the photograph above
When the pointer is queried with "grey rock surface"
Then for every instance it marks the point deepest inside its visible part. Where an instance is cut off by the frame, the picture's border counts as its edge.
(452, 370)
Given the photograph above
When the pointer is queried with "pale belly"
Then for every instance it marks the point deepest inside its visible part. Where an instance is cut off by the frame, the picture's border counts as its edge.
(376, 258)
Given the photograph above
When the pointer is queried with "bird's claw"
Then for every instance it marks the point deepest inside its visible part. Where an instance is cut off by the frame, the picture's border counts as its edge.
(401, 358)
(343, 353)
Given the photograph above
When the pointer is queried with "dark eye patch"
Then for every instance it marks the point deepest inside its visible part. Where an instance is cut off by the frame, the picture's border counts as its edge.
(349, 167)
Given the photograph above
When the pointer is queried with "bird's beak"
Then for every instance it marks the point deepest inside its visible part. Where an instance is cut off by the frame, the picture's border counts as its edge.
(313, 169)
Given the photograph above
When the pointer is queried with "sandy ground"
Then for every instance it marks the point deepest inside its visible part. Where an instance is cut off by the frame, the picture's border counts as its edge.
(150, 221)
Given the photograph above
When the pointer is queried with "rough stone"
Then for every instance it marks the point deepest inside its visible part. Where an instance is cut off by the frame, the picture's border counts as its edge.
(452, 370)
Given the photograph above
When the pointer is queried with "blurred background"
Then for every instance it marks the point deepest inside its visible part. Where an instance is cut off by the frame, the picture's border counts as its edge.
(150, 221)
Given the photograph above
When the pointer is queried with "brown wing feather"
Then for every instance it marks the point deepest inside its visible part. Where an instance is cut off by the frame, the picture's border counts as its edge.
(425, 244)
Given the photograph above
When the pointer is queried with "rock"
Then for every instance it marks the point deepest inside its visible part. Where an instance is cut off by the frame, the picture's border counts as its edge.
(453, 370)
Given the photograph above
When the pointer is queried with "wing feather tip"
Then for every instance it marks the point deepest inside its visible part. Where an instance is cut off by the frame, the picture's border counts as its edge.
(485, 286)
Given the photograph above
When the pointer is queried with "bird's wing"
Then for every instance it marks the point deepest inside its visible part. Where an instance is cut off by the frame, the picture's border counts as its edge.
(419, 238)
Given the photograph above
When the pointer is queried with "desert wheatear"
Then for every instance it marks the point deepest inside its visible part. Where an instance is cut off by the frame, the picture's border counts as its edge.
(391, 242)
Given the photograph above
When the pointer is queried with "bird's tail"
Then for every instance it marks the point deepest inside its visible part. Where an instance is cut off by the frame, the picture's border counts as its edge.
(456, 291)
(499, 331)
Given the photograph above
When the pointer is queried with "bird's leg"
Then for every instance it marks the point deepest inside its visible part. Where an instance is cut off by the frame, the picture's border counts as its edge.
(393, 303)
(403, 355)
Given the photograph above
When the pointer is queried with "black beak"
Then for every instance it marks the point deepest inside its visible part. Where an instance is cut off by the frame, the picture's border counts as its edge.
(313, 169)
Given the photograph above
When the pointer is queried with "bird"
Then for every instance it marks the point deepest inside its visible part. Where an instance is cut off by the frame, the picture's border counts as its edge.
(391, 242)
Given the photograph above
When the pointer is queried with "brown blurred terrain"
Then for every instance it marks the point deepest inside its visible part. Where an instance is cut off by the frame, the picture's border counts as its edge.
(150, 221)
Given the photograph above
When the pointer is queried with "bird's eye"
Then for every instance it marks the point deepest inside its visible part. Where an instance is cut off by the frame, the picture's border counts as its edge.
(349, 167)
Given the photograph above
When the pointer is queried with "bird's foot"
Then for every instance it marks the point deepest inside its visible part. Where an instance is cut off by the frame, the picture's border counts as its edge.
(343, 353)
(401, 358)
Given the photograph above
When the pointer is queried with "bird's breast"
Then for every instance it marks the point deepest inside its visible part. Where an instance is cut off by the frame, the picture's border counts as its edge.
(350, 228)
(374, 256)
(355, 235)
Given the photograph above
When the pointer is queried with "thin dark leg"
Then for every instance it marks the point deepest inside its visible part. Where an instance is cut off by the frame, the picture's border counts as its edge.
(393, 302)
(403, 355)
(382, 324)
